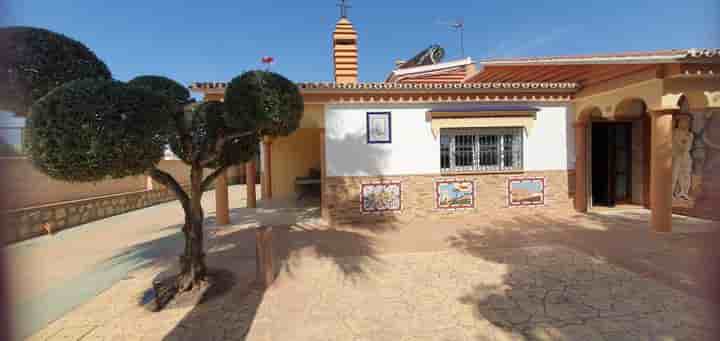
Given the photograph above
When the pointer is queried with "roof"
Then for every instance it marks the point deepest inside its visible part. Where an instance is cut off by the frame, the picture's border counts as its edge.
(384, 86)
(662, 56)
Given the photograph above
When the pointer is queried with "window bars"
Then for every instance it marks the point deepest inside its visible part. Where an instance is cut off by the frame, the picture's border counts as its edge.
(481, 149)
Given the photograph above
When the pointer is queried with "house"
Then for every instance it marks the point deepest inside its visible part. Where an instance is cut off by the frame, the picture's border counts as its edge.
(638, 128)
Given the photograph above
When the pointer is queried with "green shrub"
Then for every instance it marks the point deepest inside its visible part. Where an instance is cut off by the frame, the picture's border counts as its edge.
(163, 86)
(33, 61)
(89, 130)
(265, 99)
(206, 122)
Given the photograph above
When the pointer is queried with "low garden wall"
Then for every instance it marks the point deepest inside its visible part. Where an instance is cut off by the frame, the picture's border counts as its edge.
(26, 223)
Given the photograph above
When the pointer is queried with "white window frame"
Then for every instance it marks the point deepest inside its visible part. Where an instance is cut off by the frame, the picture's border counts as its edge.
(519, 149)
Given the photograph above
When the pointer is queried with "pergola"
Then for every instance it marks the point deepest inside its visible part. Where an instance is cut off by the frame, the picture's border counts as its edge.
(649, 86)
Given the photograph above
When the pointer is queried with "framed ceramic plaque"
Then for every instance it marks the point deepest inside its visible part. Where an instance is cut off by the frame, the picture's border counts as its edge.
(379, 127)
(526, 191)
(381, 197)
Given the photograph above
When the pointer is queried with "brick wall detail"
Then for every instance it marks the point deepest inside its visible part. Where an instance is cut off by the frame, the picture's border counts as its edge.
(419, 195)
(26, 223)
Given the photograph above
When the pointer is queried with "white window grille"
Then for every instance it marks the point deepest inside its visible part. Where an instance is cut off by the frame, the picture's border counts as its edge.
(481, 149)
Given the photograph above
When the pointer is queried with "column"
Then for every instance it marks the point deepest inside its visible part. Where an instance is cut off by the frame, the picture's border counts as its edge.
(581, 166)
(222, 216)
(267, 170)
(324, 213)
(250, 183)
(647, 163)
(661, 171)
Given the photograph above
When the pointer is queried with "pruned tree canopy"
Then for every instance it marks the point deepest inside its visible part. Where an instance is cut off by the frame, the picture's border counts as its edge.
(33, 61)
(92, 129)
(266, 99)
(207, 132)
(163, 86)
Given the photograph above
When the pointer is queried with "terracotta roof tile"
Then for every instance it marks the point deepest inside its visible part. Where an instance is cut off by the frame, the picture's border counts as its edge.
(404, 86)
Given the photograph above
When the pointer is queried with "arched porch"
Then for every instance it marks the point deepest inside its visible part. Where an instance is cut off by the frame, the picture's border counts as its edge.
(666, 122)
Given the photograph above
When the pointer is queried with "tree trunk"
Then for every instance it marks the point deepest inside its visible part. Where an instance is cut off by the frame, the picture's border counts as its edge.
(192, 262)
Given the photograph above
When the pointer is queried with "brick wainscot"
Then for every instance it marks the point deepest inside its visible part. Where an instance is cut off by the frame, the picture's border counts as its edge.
(419, 198)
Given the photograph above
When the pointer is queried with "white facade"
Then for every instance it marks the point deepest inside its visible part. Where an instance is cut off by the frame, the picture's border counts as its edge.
(414, 150)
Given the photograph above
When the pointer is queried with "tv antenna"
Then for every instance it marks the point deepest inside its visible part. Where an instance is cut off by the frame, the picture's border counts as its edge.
(459, 26)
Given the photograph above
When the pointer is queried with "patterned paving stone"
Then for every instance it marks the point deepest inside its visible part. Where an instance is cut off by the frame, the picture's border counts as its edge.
(545, 292)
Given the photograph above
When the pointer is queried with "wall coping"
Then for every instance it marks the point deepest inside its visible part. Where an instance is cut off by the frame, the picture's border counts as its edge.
(59, 204)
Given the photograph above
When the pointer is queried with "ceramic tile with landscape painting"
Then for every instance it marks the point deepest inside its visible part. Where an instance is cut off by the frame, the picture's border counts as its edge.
(455, 194)
(526, 191)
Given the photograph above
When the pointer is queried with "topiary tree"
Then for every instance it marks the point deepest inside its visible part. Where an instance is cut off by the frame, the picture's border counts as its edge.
(33, 61)
(89, 130)
(268, 99)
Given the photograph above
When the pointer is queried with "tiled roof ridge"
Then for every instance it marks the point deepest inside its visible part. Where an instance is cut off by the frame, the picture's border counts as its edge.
(410, 86)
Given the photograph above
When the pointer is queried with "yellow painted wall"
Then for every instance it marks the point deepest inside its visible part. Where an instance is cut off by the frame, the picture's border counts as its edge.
(313, 117)
(700, 93)
(649, 91)
(293, 156)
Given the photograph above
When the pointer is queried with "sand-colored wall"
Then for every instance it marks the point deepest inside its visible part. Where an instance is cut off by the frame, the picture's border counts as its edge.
(29, 187)
(292, 157)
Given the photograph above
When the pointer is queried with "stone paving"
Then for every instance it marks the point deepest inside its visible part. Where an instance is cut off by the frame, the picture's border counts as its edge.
(526, 277)
(530, 293)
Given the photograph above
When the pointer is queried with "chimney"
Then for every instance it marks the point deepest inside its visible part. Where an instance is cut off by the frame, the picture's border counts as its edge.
(345, 52)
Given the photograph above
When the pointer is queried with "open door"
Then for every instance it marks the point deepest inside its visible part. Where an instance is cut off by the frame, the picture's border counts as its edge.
(611, 161)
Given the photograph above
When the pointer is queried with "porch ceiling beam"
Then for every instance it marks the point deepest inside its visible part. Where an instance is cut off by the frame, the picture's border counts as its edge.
(510, 74)
(487, 76)
(615, 73)
(572, 74)
(528, 73)
(544, 74)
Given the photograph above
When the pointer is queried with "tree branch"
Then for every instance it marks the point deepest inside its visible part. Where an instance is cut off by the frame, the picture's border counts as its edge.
(220, 144)
(168, 181)
(210, 178)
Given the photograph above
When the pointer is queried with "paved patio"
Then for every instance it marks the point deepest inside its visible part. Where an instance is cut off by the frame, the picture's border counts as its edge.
(601, 276)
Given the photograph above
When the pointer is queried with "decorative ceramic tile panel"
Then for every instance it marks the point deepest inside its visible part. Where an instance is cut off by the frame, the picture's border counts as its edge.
(381, 197)
(454, 194)
(526, 191)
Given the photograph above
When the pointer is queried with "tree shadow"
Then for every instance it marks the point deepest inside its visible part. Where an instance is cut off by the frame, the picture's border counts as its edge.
(230, 254)
(299, 234)
(600, 275)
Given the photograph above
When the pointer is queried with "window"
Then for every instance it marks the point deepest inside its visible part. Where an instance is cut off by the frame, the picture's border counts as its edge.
(481, 149)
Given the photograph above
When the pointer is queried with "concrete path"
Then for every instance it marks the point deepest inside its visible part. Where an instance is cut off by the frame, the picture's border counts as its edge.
(601, 276)
(51, 275)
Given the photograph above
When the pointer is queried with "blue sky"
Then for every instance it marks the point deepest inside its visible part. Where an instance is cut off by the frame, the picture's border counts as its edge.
(216, 40)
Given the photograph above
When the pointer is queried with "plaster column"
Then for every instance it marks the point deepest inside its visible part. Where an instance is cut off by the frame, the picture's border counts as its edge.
(222, 216)
(267, 170)
(324, 213)
(661, 170)
(250, 184)
(581, 166)
(647, 163)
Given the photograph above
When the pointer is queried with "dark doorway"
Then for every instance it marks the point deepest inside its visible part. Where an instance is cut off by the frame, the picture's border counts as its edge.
(611, 163)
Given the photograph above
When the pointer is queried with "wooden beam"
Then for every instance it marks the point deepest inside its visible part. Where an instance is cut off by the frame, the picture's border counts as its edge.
(612, 74)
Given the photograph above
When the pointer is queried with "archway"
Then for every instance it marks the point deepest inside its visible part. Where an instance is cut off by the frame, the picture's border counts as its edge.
(613, 155)
(619, 155)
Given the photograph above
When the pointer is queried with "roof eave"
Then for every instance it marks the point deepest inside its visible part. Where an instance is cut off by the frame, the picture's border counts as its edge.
(680, 58)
